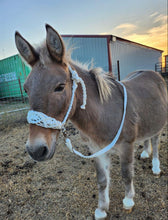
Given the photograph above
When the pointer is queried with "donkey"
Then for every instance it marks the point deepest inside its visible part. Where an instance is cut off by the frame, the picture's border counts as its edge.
(49, 88)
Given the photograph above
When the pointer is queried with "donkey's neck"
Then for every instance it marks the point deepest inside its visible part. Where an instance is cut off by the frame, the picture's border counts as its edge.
(82, 117)
(94, 120)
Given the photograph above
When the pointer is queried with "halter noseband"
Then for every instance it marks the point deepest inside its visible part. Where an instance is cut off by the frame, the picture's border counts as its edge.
(40, 119)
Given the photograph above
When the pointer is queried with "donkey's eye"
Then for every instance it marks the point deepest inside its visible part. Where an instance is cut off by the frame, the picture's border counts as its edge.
(59, 88)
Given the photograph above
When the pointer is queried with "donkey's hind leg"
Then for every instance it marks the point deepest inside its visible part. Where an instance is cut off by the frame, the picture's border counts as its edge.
(147, 149)
(155, 161)
(127, 170)
(103, 179)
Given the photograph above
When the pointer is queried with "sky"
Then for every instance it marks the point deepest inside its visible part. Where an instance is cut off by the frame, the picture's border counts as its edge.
(142, 21)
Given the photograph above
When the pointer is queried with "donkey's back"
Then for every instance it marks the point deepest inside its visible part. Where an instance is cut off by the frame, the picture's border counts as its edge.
(148, 94)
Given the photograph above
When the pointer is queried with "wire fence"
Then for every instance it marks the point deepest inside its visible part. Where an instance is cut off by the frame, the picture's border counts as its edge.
(13, 103)
(162, 67)
(13, 100)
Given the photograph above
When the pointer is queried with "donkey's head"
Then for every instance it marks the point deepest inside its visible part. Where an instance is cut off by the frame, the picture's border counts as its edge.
(48, 87)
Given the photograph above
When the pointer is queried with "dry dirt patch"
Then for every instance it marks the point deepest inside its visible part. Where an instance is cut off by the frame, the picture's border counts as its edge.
(65, 187)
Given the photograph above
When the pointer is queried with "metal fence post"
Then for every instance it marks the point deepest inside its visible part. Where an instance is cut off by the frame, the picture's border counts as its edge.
(118, 69)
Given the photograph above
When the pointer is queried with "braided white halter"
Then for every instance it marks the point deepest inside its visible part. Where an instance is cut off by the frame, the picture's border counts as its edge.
(45, 121)
(40, 119)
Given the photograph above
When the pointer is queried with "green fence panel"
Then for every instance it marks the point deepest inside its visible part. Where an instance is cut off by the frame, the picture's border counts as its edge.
(13, 72)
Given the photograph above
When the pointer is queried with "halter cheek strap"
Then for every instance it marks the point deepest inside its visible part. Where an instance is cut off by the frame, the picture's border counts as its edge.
(77, 80)
(40, 119)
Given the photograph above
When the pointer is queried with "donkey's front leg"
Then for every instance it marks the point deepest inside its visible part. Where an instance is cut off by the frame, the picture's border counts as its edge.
(127, 170)
(147, 150)
(103, 179)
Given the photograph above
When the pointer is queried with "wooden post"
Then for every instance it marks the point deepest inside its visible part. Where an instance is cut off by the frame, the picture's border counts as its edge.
(21, 90)
(118, 69)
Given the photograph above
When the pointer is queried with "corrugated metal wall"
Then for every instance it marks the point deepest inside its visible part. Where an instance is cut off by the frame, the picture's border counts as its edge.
(89, 49)
(132, 57)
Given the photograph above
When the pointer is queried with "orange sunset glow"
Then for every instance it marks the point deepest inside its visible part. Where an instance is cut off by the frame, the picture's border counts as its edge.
(155, 37)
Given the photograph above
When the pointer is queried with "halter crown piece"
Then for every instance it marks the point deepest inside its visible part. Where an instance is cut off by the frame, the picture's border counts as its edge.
(42, 120)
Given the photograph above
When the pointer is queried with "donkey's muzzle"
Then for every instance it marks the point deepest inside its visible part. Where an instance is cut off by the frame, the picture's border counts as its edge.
(38, 153)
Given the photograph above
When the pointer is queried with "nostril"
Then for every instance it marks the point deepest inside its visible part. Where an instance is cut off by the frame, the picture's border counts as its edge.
(38, 153)
(42, 151)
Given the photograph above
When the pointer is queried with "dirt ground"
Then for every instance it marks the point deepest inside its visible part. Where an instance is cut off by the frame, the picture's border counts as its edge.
(65, 187)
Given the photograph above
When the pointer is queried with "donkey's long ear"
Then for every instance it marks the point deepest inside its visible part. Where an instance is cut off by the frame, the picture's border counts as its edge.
(25, 49)
(55, 44)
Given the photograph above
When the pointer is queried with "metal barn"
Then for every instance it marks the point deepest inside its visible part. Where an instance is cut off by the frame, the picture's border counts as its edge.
(113, 53)
(106, 51)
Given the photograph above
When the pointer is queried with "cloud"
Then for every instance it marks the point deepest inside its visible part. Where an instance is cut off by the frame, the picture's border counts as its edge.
(160, 18)
(125, 28)
(154, 14)
(155, 36)
(126, 25)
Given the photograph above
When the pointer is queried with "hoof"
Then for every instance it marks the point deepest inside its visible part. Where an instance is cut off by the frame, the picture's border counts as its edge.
(144, 155)
(157, 176)
(156, 172)
(128, 211)
(100, 214)
(128, 204)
